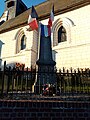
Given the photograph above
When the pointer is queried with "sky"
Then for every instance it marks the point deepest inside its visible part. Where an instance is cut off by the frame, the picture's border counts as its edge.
(28, 3)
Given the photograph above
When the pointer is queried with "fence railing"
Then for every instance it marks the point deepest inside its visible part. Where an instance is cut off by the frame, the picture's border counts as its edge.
(74, 84)
(69, 84)
(16, 79)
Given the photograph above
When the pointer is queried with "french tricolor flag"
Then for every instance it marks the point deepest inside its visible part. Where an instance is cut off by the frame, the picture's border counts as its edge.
(51, 19)
(45, 30)
(32, 20)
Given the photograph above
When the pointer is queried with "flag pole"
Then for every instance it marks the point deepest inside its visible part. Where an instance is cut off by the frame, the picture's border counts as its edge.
(39, 33)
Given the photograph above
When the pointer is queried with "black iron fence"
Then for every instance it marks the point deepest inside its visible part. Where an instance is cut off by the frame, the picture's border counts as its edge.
(69, 85)
(74, 81)
(16, 79)
(74, 85)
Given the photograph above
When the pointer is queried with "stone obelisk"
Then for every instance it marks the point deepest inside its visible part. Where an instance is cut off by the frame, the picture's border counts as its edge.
(46, 64)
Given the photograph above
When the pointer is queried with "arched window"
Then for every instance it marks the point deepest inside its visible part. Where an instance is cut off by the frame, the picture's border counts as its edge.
(20, 41)
(23, 42)
(61, 31)
(62, 34)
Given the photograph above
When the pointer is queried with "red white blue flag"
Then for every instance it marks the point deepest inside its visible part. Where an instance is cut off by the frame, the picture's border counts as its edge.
(32, 20)
(45, 30)
(51, 19)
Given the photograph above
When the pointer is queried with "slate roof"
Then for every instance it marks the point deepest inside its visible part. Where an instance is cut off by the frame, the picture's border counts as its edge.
(43, 10)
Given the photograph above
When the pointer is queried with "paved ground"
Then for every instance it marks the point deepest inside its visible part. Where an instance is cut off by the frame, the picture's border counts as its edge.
(32, 96)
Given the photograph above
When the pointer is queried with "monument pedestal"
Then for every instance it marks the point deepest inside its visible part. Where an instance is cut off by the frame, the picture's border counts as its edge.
(46, 72)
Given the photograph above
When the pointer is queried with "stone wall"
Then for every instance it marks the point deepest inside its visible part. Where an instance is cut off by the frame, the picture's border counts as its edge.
(44, 110)
(73, 52)
(8, 51)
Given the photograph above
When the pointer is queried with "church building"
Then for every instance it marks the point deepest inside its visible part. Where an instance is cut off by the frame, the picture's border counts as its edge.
(70, 33)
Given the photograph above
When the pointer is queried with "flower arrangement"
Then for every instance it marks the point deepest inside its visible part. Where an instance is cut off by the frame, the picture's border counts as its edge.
(19, 65)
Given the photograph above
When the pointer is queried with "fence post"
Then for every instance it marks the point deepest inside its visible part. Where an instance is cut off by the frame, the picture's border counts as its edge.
(12, 79)
(17, 79)
(8, 82)
(22, 75)
(3, 78)
(26, 84)
(79, 77)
